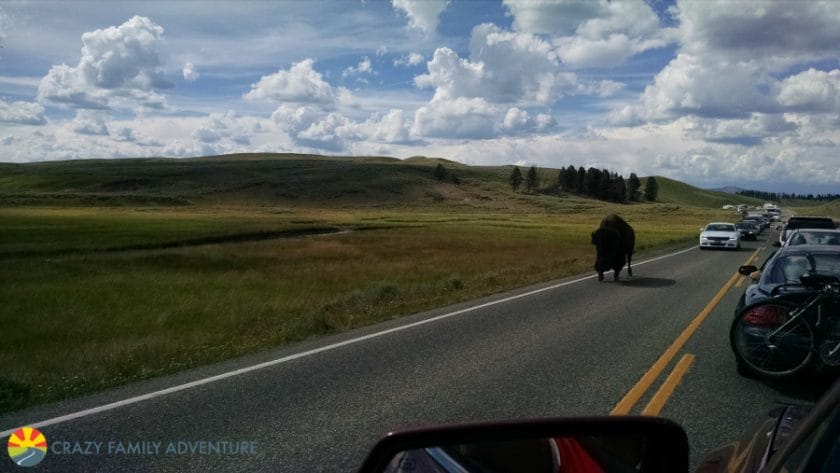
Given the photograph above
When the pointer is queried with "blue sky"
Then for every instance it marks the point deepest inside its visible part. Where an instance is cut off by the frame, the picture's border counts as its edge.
(713, 93)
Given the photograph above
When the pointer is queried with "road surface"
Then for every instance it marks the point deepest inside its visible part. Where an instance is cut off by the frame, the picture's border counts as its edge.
(567, 348)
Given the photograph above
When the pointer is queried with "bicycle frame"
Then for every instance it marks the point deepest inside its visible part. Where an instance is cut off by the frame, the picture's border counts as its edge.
(823, 288)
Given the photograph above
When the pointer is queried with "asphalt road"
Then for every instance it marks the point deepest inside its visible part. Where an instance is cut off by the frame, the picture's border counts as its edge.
(568, 348)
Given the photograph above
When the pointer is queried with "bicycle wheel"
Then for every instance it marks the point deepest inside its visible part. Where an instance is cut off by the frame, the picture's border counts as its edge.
(758, 350)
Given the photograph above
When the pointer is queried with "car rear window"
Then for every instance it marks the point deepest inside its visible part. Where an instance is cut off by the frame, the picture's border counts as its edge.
(788, 268)
(810, 223)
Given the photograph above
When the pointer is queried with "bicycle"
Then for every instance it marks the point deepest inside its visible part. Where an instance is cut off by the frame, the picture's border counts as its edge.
(781, 336)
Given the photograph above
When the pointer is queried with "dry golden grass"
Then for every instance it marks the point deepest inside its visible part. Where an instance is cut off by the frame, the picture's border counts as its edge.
(87, 319)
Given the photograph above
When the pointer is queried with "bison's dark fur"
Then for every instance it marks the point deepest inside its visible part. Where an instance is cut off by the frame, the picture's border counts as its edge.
(614, 241)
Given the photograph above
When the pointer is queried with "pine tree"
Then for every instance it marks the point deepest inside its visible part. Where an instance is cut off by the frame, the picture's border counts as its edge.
(651, 189)
(571, 182)
(515, 179)
(581, 181)
(440, 172)
(619, 190)
(531, 180)
(633, 186)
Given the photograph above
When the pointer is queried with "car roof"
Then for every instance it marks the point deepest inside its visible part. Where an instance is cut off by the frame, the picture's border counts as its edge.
(809, 217)
(802, 249)
(819, 230)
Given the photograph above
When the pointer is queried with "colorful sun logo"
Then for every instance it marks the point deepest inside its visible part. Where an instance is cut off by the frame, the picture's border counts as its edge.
(27, 446)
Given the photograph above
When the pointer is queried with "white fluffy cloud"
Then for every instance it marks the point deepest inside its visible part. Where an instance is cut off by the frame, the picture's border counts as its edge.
(730, 59)
(393, 127)
(412, 59)
(591, 33)
(222, 126)
(812, 90)
(494, 71)
(121, 64)
(692, 85)
(88, 122)
(190, 72)
(300, 84)
(313, 127)
(517, 122)
(423, 15)
(364, 67)
(24, 113)
(461, 117)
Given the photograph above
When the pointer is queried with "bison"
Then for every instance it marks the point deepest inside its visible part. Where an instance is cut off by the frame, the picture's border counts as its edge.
(614, 241)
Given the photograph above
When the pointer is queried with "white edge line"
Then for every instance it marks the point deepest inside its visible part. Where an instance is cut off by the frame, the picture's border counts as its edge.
(248, 369)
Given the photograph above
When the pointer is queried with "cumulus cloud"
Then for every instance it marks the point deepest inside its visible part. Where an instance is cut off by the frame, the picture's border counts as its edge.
(494, 71)
(310, 126)
(590, 33)
(549, 16)
(457, 118)
(88, 122)
(299, 84)
(118, 63)
(223, 126)
(811, 90)
(518, 122)
(411, 59)
(189, 72)
(692, 85)
(423, 15)
(778, 32)
(749, 132)
(125, 134)
(732, 77)
(330, 133)
(24, 113)
(364, 67)
(393, 127)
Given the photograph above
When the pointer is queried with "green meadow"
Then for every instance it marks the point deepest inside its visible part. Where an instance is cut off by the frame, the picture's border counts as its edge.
(115, 271)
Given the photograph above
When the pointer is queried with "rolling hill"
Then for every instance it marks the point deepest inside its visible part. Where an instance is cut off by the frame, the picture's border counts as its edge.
(289, 179)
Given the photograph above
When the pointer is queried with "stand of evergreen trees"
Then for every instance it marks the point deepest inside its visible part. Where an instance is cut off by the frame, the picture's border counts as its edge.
(776, 196)
(594, 183)
(599, 184)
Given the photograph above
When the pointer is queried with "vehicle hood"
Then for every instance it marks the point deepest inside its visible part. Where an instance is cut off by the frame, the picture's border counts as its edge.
(718, 234)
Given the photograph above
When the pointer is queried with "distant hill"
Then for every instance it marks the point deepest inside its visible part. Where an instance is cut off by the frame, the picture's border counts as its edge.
(261, 179)
(676, 192)
(291, 180)
(728, 189)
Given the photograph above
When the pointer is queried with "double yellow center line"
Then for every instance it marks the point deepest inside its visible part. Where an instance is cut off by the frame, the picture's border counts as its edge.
(625, 406)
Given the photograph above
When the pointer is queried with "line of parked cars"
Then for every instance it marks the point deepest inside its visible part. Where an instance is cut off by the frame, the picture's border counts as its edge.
(792, 438)
(730, 235)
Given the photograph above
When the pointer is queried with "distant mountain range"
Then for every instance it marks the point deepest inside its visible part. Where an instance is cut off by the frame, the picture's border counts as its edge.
(729, 189)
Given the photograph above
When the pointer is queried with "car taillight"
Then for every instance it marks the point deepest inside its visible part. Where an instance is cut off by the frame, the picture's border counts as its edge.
(766, 315)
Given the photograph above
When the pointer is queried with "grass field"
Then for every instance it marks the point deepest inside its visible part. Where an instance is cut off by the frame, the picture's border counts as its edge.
(96, 295)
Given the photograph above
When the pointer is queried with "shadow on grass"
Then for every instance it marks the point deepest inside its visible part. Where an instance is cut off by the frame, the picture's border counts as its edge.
(210, 240)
